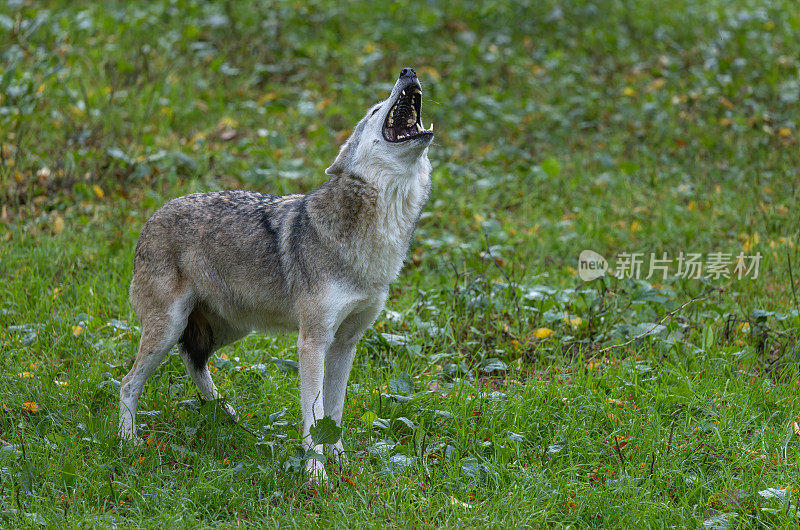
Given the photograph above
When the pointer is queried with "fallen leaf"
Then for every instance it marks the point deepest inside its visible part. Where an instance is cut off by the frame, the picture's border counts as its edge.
(656, 84)
(29, 375)
(77, 329)
(622, 442)
(725, 102)
(30, 406)
(98, 191)
(542, 333)
(731, 500)
(227, 134)
(456, 502)
(58, 224)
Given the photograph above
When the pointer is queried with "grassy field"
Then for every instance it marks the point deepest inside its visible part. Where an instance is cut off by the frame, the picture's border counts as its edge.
(498, 388)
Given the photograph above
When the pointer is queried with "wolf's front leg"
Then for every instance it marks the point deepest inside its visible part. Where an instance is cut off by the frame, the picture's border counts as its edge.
(339, 362)
(311, 349)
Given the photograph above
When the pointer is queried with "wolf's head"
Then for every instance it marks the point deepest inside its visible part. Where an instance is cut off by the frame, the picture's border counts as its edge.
(390, 140)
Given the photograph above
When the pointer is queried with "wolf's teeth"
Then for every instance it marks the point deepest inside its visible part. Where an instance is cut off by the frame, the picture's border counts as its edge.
(431, 128)
(403, 92)
(419, 128)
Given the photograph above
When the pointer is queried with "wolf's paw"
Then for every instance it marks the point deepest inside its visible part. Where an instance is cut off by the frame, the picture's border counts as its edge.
(129, 438)
(316, 471)
(339, 453)
(232, 411)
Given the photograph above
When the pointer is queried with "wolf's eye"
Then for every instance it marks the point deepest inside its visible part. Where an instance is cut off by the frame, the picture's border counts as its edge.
(371, 114)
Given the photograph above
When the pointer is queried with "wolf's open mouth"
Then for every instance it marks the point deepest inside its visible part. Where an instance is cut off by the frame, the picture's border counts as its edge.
(403, 121)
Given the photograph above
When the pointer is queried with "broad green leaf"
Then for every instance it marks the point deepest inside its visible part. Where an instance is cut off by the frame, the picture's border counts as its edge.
(551, 166)
(286, 365)
(325, 431)
(402, 384)
(493, 365)
(368, 417)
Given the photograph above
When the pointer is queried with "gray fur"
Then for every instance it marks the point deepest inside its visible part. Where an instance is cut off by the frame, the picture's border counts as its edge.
(211, 267)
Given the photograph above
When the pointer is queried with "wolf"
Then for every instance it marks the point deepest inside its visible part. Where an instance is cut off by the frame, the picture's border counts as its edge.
(210, 268)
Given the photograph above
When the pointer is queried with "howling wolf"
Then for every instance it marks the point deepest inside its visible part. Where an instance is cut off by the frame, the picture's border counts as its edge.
(212, 267)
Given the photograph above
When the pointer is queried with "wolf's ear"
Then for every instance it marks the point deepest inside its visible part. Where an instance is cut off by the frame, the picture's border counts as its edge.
(337, 168)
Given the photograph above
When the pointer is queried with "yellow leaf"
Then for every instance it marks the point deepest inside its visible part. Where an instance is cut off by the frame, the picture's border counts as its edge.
(456, 502)
(725, 102)
(542, 333)
(26, 375)
(98, 191)
(657, 83)
(750, 242)
(622, 442)
(628, 91)
(266, 98)
(58, 224)
(574, 322)
(784, 132)
(227, 123)
(324, 103)
(30, 406)
(428, 70)
(33, 366)
(77, 329)
(636, 226)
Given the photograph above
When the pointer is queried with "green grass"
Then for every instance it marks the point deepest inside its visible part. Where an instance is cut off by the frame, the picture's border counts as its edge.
(612, 125)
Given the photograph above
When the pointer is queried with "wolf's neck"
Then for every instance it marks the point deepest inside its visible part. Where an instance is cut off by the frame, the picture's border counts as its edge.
(371, 220)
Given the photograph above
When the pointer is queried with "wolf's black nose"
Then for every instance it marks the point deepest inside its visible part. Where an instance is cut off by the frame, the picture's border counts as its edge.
(407, 72)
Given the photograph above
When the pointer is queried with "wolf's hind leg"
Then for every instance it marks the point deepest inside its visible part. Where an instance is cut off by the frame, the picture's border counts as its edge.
(200, 339)
(161, 329)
